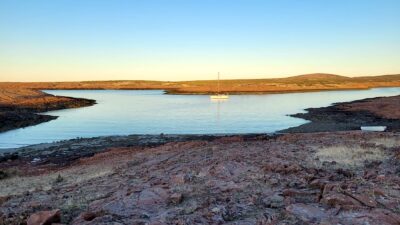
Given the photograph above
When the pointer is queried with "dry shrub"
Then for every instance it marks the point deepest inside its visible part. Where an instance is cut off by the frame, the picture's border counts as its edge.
(350, 156)
(388, 142)
(19, 184)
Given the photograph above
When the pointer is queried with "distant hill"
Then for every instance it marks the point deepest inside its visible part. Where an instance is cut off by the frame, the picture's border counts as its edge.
(300, 83)
(318, 76)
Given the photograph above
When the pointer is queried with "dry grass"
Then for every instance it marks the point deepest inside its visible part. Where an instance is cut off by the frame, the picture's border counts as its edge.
(350, 156)
(19, 184)
(388, 142)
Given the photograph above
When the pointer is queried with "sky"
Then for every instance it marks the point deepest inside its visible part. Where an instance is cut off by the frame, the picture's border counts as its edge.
(75, 40)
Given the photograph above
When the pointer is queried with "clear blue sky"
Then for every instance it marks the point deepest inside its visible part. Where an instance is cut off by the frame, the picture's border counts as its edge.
(187, 39)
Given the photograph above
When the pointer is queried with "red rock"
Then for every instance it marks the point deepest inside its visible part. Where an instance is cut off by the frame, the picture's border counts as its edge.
(44, 217)
(318, 183)
(228, 170)
(282, 167)
(345, 172)
(370, 174)
(88, 216)
(307, 213)
(364, 199)
(155, 223)
(302, 195)
(292, 192)
(180, 179)
(273, 181)
(230, 139)
(381, 177)
(152, 196)
(227, 186)
(337, 200)
(274, 201)
(3, 199)
(329, 187)
(375, 216)
(388, 203)
(176, 198)
(379, 192)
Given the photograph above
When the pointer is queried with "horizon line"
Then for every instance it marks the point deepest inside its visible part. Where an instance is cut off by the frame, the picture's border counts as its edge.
(177, 81)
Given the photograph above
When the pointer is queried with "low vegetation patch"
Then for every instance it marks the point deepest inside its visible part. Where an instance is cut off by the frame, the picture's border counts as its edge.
(350, 156)
(59, 179)
(18, 184)
(388, 142)
(3, 175)
(8, 173)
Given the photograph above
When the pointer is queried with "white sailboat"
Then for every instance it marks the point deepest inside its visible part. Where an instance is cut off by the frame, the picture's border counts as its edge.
(219, 95)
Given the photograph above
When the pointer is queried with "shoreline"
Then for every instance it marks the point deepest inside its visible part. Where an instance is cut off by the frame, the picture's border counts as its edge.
(342, 116)
(14, 114)
(64, 152)
(171, 92)
(21, 108)
(346, 116)
(179, 92)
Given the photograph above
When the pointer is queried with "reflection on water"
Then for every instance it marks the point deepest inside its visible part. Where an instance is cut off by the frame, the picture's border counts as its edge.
(218, 103)
(121, 112)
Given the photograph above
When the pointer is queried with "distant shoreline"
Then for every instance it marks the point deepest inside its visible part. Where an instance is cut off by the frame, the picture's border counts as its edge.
(302, 83)
(173, 92)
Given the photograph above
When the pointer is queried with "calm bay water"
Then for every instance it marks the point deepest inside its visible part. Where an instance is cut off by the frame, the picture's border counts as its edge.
(121, 112)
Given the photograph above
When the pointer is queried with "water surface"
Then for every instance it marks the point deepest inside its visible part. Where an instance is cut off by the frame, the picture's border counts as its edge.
(121, 112)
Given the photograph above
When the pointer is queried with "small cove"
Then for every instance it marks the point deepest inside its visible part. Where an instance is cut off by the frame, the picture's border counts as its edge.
(122, 112)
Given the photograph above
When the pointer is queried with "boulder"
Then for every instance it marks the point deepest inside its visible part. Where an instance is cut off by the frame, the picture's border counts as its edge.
(274, 201)
(88, 216)
(307, 213)
(152, 197)
(228, 170)
(339, 200)
(318, 183)
(4, 199)
(176, 198)
(180, 179)
(44, 217)
(303, 196)
(374, 216)
(364, 199)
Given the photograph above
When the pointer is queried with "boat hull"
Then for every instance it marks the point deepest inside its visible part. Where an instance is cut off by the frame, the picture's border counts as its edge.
(219, 96)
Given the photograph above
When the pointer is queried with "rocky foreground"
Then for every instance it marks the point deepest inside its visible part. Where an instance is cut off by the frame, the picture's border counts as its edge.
(320, 178)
